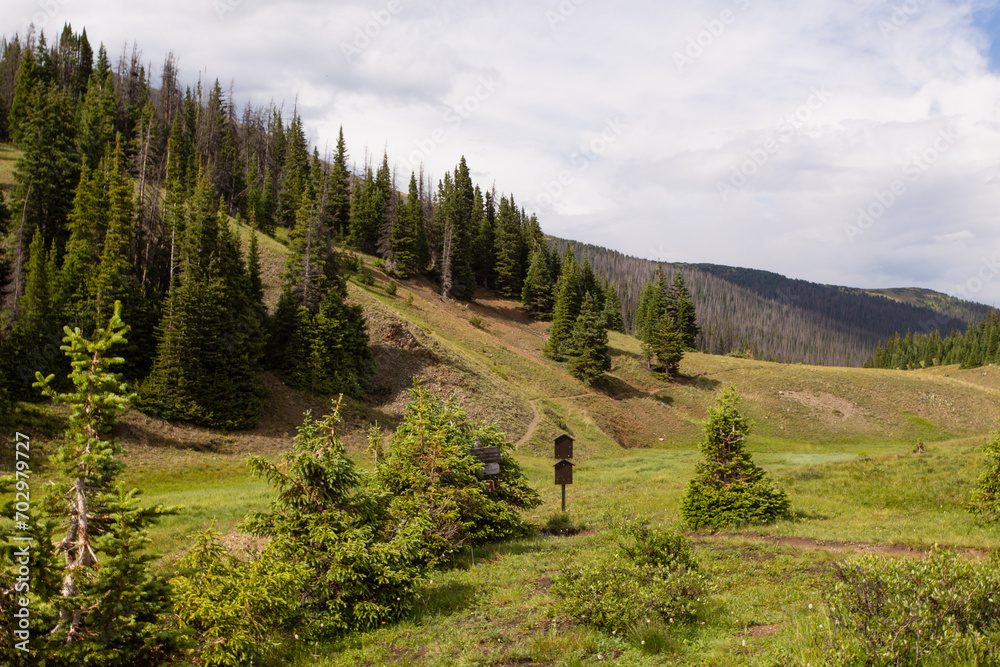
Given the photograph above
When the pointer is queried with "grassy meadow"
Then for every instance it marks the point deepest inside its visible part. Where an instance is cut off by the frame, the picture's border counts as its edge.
(841, 441)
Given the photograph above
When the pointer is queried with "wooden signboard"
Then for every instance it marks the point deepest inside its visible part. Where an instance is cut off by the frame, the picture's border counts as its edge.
(564, 472)
(487, 454)
(564, 447)
(490, 458)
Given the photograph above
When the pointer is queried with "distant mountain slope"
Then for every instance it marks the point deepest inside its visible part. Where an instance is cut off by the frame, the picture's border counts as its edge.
(968, 311)
(781, 319)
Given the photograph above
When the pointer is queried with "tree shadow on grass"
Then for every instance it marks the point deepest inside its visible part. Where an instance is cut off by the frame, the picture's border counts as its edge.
(698, 382)
(616, 388)
(443, 599)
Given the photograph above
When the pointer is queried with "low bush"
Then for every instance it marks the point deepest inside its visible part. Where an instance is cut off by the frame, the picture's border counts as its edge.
(562, 523)
(391, 288)
(653, 582)
(943, 609)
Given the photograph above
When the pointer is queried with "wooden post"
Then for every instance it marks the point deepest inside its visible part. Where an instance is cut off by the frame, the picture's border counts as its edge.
(564, 497)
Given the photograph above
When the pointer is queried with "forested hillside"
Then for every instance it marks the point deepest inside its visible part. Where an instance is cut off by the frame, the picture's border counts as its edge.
(771, 317)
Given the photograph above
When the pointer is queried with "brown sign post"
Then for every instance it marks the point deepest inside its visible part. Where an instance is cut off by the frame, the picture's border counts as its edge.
(564, 469)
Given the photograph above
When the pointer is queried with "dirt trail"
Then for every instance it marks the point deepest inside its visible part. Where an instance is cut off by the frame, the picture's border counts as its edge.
(531, 427)
(812, 544)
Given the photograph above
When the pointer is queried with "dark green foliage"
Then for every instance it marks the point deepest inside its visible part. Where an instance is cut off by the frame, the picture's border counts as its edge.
(205, 370)
(652, 578)
(588, 350)
(510, 250)
(569, 298)
(429, 470)
(937, 610)
(980, 345)
(728, 489)
(326, 351)
(681, 309)
(361, 563)
(536, 294)
(612, 308)
(46, 173)
(657, 325)
(986, 496)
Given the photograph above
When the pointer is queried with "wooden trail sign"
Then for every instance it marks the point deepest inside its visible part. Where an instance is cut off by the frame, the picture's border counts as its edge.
(563, 469)
(489, 457)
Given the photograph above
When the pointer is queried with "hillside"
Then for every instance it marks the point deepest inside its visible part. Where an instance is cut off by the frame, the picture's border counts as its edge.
(769, 316)
(839, 439)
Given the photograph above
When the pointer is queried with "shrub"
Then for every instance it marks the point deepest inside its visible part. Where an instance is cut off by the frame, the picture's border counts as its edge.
(729, 490)
(562, 523)
(364, 277)
(429, 471)
(235, 608)
(642, 584)
(391, 288)
(476, 321)
(942, 609)
(986, 496)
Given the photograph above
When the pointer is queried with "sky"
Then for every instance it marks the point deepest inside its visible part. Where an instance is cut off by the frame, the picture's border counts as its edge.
(842, 142)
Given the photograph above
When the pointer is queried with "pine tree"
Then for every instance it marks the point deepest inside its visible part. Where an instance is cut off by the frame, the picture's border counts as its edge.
(484, 259)
(340, 190)
(95, 119)
(683, 313)
(588, 352)
(728, 490)
(205, 371)
(110, 605)
(46, 173)
(612, 308)
(508, 250)
(569, 298)
(410, 222)
(656, 327)
(536, 295)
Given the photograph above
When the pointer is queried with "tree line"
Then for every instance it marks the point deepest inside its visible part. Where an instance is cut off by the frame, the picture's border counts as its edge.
(767, 316)
(978, 346)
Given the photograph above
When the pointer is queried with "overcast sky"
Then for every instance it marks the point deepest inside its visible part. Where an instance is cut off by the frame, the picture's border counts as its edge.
(852, 143)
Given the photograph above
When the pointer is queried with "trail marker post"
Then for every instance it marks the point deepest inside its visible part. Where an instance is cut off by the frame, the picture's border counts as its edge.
(563, 468)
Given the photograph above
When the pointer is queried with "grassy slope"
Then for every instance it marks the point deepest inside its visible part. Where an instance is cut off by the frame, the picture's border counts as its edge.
(839, 440)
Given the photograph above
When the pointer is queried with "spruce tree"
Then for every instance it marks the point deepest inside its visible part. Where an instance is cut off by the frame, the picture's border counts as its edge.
(340, 190)
(536, 295)
(588, 351)
(728, 490)
(612, 308)
(111, 604)
(569, 298)
(205, 371)
(508, 249)
(683, 313)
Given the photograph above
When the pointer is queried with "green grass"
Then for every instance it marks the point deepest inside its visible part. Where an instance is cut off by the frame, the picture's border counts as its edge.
(8, 156)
